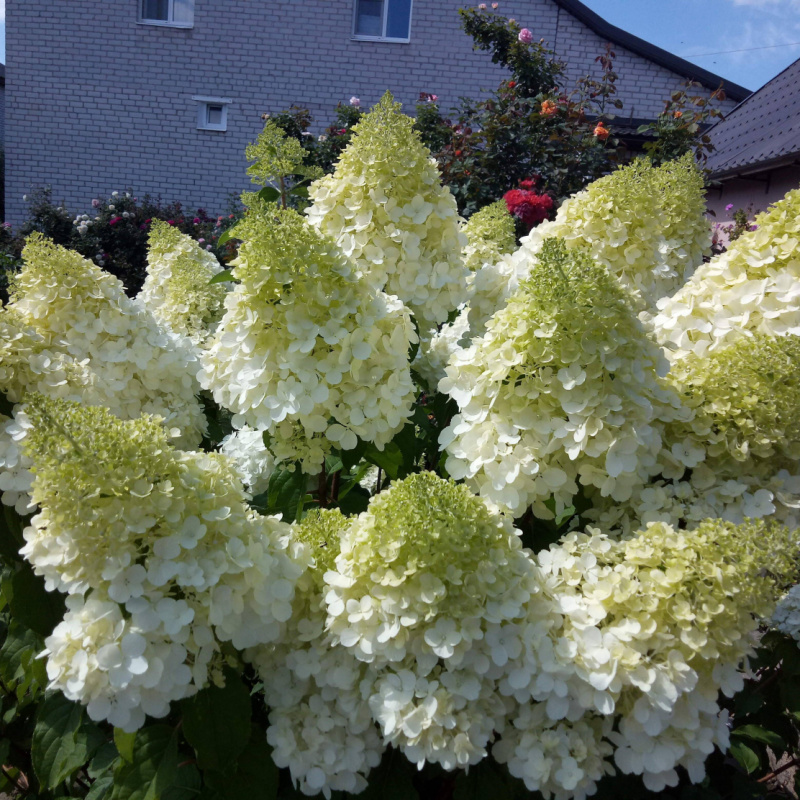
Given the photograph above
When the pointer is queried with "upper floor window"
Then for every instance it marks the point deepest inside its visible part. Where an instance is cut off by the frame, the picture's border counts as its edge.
(176, 13)
(384, 20)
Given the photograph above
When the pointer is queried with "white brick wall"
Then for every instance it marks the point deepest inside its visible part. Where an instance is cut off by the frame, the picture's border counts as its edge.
(97, 102)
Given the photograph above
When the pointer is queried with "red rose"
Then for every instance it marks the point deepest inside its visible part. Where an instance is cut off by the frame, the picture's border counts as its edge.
(528, 206)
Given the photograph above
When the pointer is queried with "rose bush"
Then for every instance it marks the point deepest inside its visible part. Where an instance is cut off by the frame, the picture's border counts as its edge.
(313, 526)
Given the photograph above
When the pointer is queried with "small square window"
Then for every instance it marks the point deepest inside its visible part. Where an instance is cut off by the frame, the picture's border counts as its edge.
(382, 20)
(212, 113)
(172, 13)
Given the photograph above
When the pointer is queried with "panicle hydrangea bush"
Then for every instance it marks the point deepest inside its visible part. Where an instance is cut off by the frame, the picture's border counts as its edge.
(161, 556)
(753, 286)
(646, 225)
(387, 209)
(306, 351)
(391, 611)
(177, 289)
(564, 388)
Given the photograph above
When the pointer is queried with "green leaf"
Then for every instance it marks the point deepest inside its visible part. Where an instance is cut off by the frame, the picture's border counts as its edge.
(216, 722)
(227, 235)
(747, 758)
(124, 743)
(286, 493)
(188, 784)
(390, 459)
(758, 734)
(58, 749)
(154, 769)
(256, 776)
(224, 276)
(18, 663)
(269, 194)
(299, 191)
(104, 760)
(32, 605)
(100, 788)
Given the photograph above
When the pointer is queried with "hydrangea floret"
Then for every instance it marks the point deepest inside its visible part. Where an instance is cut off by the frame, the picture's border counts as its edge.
(306, 351)
(178, 291)
(162, 545)
(564, 388)
(753, 286)
(387, 209)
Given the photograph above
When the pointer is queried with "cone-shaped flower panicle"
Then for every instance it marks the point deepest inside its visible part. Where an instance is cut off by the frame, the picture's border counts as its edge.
(177, 290)
(490, 234)
(138, 523)
(387, 209)
(306, 350)
(121, 357)
(753, 286)
(563, 388)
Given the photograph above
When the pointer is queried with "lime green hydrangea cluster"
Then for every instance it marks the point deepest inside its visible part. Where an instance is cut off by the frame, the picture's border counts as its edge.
(177, 290)
(563, 388)
(320, 725)
(159, 541)
(745, 400)
(753, 286)
(387, 209)
(654, 627)
(80, 314)
(427, 585)
(306, 350)
(276, 156)
(491, 233)
(646, 225)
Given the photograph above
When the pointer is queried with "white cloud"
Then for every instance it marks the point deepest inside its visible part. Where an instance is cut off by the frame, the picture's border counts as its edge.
(3, 11)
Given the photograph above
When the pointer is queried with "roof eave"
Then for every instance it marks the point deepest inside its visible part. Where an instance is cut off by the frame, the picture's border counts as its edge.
(662, 57)
(748, 170)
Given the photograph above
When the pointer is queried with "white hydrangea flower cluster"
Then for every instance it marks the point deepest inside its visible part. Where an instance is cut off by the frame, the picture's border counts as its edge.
(786, 617)
(306, 350)
(653, 628)
(320, 726)
(744, 400)
(645, 224)
(431, 590)
(252, 458)
(170, 554)
(704, 494)
(110, 352)
(490, 234)
(176, 290)
(754, 286)
(386, 208)
(563, 388)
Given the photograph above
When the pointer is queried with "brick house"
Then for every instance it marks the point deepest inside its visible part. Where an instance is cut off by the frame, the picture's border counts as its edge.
(162, 96)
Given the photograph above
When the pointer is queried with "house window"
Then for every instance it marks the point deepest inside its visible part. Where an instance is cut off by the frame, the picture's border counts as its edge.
(382, 20)
(212, 113)
(174, 13)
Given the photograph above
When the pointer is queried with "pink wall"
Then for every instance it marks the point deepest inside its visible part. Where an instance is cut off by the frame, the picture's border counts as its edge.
(760, 190)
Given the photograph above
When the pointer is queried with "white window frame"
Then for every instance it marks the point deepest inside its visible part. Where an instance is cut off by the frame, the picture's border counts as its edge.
(203, 103)
(164, 23)
(363, 38)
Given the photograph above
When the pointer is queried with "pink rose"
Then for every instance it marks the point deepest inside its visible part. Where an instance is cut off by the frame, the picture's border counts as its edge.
(196, 220)
(208, 247)
(95, 204)
(355, 102)
(200, 241)
(482, 6)
(494, 5)
(525, 36)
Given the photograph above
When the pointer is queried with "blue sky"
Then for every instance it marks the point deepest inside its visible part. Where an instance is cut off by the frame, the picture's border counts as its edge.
(764, 33)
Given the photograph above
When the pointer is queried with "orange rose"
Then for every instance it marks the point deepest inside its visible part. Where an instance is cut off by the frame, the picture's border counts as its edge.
(678, 114)
(601, 132)
(548, 108)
